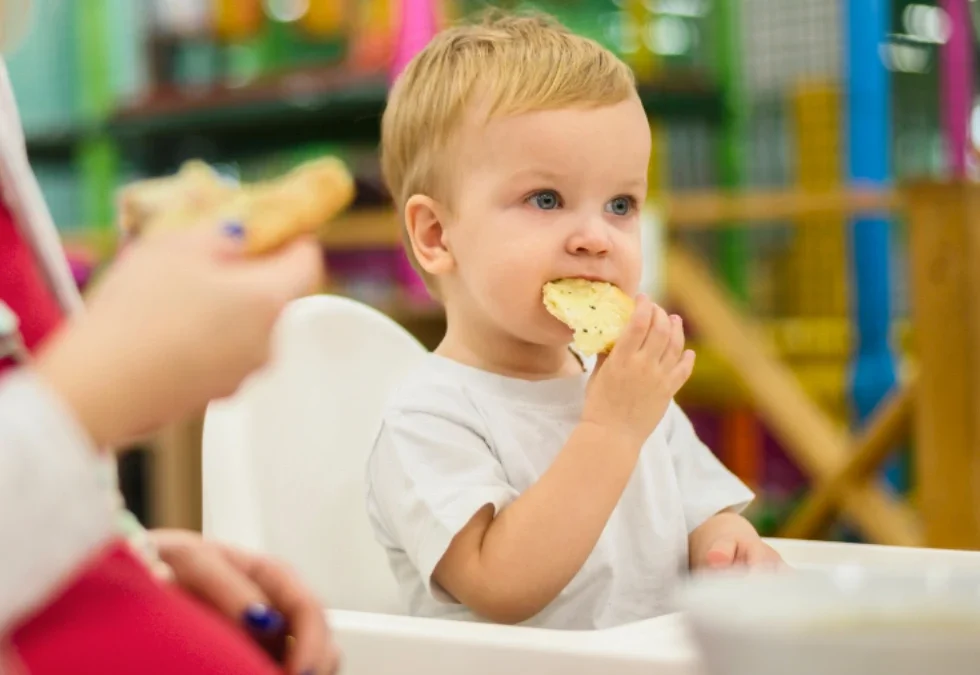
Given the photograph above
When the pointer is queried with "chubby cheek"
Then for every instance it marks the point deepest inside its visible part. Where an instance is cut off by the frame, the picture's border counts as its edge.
(508, 283)
(512, 280)
(629, 263)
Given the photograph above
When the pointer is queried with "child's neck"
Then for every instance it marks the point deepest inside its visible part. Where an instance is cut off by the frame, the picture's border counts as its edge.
(497, 352)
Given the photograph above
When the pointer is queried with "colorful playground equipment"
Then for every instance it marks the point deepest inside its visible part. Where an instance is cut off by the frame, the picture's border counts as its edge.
(794, 118)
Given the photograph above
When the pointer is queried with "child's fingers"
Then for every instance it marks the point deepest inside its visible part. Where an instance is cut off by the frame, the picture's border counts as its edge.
(675, 343)
(658, 335)
(722, 553)
(681, 372)
(314, 650)
(636, 330)
(764, 557)
(200, 569)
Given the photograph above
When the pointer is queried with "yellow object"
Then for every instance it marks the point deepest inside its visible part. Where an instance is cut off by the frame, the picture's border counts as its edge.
(371, 36)
(236, 20)
(814, 272)
(642, 60)
(449, 12)
(597, 311)
(325, 18)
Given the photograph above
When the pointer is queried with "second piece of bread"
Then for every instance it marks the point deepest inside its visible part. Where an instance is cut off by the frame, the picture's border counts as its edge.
(298, 203)
(270, 212)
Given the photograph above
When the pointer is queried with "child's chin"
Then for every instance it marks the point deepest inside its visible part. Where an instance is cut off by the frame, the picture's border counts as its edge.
(557, 336)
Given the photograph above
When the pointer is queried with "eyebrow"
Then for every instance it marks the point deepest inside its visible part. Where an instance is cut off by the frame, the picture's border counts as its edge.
(635, 184)
(551, 178)
(536, 174)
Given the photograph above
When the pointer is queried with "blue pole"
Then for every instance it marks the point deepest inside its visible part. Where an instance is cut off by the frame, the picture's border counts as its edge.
(873, 371)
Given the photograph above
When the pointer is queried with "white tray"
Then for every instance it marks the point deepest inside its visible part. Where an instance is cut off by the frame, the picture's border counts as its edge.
(378, 644)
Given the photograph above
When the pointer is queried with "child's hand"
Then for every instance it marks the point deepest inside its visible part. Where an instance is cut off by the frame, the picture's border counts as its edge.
(740, 552)
(728, 540)
(632, 387)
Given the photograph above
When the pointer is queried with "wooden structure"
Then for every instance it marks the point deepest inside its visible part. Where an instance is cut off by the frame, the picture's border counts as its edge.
(937, 405)
(808, 434)
(945, 248)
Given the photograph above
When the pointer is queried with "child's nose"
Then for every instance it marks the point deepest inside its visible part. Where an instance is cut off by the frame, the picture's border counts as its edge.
(592, 238)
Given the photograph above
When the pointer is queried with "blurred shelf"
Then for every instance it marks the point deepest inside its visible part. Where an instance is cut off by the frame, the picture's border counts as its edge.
(310, 105)
(318, 104)
(321, 95)
(408, 312)
(683, 96)
(321, 105)
(56, 144)
(362, 229)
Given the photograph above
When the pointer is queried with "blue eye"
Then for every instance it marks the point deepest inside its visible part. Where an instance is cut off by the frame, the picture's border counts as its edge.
(621, 206)
(546, 200)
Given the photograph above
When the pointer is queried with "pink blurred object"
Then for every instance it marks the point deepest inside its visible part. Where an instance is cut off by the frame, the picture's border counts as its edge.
(417, 24)
(83, 263)
(956, 85)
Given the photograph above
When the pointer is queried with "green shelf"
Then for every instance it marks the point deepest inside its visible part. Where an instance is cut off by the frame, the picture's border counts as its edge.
(255, 109)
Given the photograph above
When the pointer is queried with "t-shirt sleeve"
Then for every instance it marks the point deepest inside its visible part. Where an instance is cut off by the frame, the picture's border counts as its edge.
(431, 471)
(707, 486)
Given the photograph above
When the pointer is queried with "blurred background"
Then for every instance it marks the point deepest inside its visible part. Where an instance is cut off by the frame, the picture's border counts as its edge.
(743, 96)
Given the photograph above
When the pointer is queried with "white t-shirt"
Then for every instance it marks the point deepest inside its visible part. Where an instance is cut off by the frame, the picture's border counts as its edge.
(455, 438)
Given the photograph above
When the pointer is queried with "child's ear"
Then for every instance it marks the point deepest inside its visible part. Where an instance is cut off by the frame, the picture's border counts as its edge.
(424, 225)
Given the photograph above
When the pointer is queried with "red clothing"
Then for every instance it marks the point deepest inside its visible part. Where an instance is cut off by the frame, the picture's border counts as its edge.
(114, 617)
(22, 286)
(118, 619)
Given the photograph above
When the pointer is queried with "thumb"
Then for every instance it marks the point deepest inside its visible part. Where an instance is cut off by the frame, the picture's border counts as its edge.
(721, 553)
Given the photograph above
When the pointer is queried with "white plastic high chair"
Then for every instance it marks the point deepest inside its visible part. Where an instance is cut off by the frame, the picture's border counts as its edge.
(284, 458)
(284, 474)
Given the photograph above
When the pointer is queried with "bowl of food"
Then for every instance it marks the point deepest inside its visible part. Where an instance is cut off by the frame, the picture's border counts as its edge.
(844, 620)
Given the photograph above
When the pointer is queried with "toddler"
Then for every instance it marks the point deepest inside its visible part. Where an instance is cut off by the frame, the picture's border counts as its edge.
(512, 479)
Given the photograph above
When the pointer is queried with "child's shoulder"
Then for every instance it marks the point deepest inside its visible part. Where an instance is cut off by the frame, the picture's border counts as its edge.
(431, 402)
(431, 385)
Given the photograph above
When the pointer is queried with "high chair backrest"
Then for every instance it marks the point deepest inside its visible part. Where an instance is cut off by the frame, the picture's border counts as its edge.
(284, 458)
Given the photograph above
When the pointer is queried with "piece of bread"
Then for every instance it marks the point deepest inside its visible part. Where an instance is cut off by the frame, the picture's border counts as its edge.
(597, 311)
(297, 203)
(196, 187)
(271, 212)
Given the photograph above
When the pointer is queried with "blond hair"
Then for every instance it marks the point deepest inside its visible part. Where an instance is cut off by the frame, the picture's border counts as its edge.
(517, 62)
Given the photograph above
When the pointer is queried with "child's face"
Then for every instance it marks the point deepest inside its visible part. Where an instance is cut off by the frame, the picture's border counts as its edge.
(545, 195)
